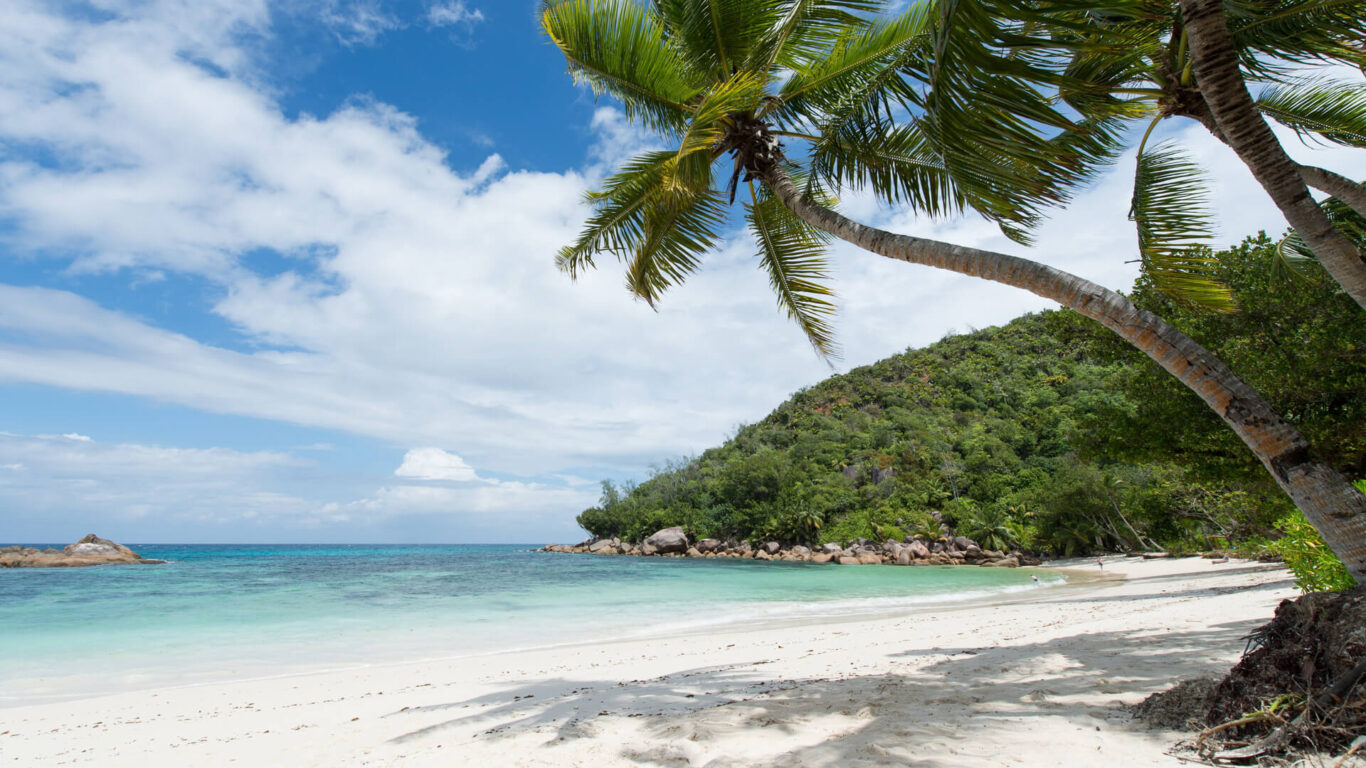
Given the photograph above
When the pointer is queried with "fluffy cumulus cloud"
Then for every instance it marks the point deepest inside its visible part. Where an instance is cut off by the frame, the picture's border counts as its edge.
(435, 464)
(410, 301)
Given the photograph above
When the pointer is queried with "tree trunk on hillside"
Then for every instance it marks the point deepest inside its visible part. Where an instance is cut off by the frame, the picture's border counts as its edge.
(1330, 503)
(1217, 75)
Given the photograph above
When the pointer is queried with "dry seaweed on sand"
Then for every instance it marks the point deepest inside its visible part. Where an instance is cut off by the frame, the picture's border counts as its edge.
(1299, 690)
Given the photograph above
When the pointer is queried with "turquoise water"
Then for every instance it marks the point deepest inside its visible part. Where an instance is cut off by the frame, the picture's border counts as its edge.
(218, 613)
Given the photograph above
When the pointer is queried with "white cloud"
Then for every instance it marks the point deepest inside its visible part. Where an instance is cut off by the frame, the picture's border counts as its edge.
(435, 464)
(155, 493)
(77, 437)
(454, 13)
(358, 22)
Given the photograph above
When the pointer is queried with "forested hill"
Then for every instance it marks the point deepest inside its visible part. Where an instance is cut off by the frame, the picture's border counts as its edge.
(978, 427)
(1047, 433)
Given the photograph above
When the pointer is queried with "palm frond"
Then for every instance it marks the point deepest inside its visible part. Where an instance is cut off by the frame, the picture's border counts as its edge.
(857, 54)
(620, 47)
(896, 163)
(718, 36)
(1294, 260)
(991, 108)
(1324, 109)
(808, 29)
(620, 210)
(1274, 38)
(793, 253)
(680, 224)
(1169, 207)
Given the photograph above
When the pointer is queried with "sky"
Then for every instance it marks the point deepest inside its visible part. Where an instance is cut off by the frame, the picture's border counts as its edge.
(284, 272)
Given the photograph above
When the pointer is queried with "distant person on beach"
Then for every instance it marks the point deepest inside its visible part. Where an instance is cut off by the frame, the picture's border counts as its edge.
(1101, 564)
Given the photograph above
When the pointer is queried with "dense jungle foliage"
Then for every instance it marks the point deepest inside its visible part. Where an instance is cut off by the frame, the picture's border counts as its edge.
(1047, 434)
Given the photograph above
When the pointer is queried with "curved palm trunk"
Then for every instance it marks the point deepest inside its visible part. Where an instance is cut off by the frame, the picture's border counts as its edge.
(1337, 185)
(1215, 64)
(1330, 503)
(1322, 179)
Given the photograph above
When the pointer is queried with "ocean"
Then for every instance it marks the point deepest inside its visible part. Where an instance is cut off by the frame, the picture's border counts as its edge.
(231, 612)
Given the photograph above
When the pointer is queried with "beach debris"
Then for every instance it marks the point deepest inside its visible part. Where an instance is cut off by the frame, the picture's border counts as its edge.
(1299, 689)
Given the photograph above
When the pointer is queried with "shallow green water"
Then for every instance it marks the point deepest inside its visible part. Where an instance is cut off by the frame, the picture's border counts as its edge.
(243, 611)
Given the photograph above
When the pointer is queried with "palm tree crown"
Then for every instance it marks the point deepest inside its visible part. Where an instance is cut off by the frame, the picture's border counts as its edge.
(841, 95)
(1134, 62)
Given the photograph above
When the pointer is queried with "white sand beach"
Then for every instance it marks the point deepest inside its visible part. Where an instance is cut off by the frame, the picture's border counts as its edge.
(1042, 682)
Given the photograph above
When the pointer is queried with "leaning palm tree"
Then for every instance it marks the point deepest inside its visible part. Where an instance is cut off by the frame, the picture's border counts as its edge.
(1216, 67)
(1155, 59)
(741, 87)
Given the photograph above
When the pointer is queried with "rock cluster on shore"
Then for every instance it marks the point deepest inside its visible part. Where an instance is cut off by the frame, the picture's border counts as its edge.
(92, 550)
(673, 542)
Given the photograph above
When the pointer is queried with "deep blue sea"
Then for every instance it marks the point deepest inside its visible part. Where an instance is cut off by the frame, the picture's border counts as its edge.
(226, 612)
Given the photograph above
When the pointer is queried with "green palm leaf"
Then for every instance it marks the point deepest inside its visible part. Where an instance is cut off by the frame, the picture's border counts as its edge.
(680, 223)
(995, 73)
(619, 47)
(717, 36)
(857, 54)
(793, 253)
(1169, 208)
(807, 30)
(898, 164)
(1275, 37)
(1323, 109)
(620, 211)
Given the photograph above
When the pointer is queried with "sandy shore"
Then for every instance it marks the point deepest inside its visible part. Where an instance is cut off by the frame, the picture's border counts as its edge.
(1041, 682)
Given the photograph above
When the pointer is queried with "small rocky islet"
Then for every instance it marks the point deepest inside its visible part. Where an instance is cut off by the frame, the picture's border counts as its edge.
(914, 550)
(91, 550)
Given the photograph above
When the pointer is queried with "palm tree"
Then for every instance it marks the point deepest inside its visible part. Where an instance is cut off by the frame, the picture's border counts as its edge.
(1215, 65)
(736, 79)
(989, 527)
(1155, 59)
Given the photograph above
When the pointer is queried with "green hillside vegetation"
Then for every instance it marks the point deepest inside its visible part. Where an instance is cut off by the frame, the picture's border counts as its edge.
(1044, 434)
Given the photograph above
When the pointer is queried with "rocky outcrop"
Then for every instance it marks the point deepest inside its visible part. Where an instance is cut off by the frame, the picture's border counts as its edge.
(915, 550)
(92, 550)
(669, 540)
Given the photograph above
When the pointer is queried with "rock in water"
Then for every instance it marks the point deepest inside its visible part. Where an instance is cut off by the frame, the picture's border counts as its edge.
(92, 550)
(669, 540)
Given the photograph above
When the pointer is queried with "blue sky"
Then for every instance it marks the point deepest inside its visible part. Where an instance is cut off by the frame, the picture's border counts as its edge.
(283, 271)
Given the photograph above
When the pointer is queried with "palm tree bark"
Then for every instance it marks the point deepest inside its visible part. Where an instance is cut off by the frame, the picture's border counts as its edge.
(1215, 64)
(1322, 179)
(1337, 185)
(1330, 503)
